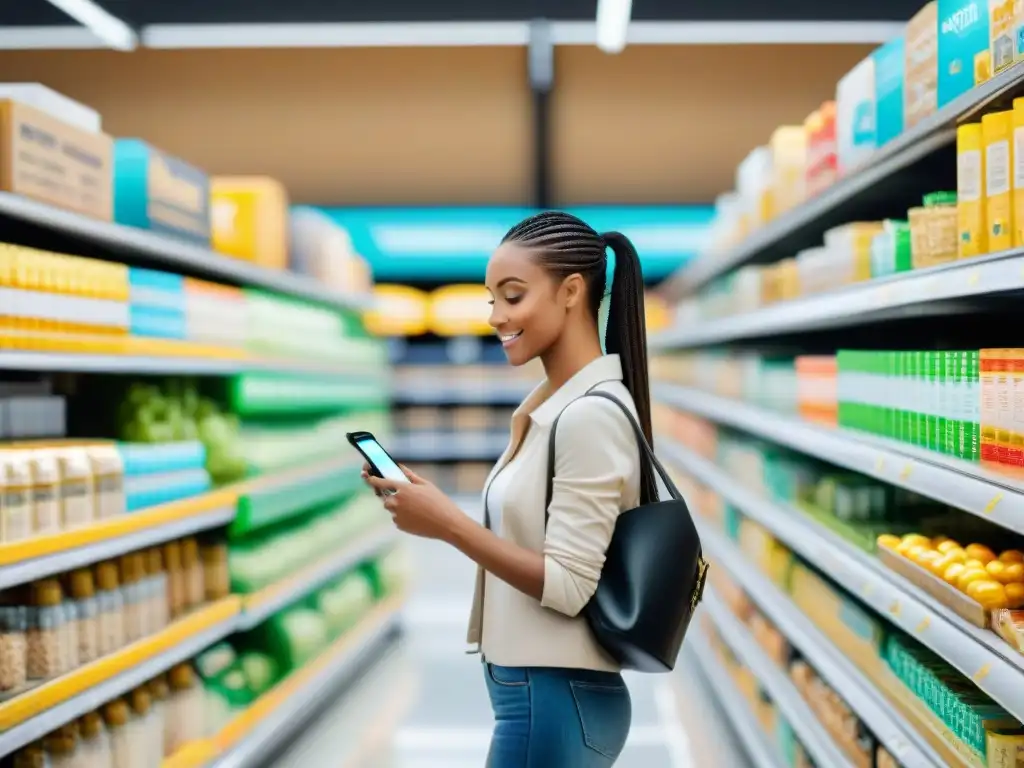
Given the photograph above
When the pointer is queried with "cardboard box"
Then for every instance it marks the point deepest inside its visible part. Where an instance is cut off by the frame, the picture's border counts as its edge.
(856, 130)
(920, 89)
(890, 65)
(963, 47)
(54, 162)
(153, 190)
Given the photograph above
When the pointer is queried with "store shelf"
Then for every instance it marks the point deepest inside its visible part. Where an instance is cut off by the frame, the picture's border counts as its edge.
(449, 446)
(283, 711)
(261, 605)
(167, 253)
(170, 364)
(947, 288)
(808, 220)
(25, 561)
(884, 720)
(278, 496)
(979, 654)
(34, 713)
(774, 681)
(762, 753)
(963, 484)
(477, 394)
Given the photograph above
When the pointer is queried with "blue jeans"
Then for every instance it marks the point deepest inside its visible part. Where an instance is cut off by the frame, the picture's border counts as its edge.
(570, 718)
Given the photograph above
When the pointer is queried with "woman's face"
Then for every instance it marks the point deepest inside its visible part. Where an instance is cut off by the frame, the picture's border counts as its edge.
(529, 306)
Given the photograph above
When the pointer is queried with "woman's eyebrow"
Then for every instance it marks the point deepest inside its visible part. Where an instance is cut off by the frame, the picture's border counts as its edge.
(510, 280)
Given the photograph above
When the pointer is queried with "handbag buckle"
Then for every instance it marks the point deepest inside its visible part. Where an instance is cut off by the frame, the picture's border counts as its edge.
(698, 589)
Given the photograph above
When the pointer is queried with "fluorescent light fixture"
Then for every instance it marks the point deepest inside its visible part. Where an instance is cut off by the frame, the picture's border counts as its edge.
(613, 24)
(107, 27)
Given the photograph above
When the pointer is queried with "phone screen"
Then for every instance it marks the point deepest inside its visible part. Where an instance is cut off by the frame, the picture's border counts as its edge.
(381, 460)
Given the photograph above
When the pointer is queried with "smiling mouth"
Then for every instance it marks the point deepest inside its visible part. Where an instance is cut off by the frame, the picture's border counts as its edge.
(509, 338)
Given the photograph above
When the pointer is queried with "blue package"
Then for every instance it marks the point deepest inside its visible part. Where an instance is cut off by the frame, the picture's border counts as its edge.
(149, 459)
(963, 37)
(158, 192)
(890, 64)
(143, 492)
(157, 322)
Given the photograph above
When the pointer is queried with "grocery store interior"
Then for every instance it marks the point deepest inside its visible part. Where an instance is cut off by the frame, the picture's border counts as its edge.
(232, 233)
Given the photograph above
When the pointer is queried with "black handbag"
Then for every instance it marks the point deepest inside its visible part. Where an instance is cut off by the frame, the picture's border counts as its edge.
(653, 575)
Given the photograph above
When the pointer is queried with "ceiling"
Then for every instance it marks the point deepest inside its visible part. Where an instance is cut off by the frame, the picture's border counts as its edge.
(140, 13)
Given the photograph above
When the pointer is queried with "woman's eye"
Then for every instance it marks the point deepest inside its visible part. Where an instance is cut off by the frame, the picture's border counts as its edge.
(513, 299)
(491, 302)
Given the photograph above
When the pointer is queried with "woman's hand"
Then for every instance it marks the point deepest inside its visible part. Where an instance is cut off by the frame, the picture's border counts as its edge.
(418, 507)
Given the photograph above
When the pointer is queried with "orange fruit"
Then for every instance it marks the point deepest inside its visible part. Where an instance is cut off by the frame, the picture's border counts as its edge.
(979, 552)
(997, 571)
(1014, 573)
(1015, 594)
(971, 575)
(990, 594)
(946, 545)
(888, 541)
(911, 540)
(971, 563)
(1012, 556)
(953, 572)
(916, 551)
(928, 559)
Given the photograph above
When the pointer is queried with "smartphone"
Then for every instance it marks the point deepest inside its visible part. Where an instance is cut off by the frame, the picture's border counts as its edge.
(380, 461)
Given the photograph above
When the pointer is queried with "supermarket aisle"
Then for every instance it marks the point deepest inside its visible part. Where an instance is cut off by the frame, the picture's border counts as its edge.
(425, 705)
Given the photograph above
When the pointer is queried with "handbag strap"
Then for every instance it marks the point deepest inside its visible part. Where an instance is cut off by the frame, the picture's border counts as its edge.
(646, 450)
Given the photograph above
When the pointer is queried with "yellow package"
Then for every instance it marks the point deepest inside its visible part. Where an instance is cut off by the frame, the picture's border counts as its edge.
(250, 219)
(1018, 173)
(972, 235)
(1002, 29)
(997, 135)
(789, 165)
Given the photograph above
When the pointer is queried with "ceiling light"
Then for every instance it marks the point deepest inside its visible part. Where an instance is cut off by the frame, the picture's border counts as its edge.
(612, 24)
(104, 25)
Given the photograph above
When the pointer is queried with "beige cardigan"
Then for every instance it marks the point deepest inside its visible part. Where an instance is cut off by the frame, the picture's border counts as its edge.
(597, 476)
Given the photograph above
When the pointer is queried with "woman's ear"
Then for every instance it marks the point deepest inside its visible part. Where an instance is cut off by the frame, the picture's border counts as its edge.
(574, 289)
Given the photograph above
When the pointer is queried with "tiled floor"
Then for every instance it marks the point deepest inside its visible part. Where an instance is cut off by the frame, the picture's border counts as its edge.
(424, 704)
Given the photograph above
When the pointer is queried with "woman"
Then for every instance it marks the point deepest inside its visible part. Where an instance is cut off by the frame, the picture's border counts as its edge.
(558, 699)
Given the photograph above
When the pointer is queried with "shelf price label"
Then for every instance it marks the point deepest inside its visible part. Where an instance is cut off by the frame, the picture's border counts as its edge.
(992, 504)
(925, 623)
(982, 673)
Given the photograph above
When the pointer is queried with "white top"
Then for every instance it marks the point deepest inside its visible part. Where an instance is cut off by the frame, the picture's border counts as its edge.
(497, 492)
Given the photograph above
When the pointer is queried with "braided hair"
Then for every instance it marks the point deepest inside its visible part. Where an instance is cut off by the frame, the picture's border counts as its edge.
(567, 245)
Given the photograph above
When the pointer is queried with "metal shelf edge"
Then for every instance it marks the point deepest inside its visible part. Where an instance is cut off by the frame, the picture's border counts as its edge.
(885, 721)
(993, 498)
(774, 681)
(762, 753)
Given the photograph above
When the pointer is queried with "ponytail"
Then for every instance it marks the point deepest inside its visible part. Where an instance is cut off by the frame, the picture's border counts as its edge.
(626, 336)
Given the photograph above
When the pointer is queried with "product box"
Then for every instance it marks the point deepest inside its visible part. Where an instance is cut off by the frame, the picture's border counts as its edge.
(788, 144)
(55, 104)
(1002, 33)
(856, 132)
(970, 191)
(820, 127)
(890, 66)
(153, 190)
(155, 289)
(1017, 193)
(997, 135)
(963, 47)
(55, 162)
(921, 65)
(250, 219)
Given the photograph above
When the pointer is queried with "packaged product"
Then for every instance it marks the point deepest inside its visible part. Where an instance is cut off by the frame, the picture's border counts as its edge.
(160, 615)
(216, 575)
(1017, 150)
(159, 693)
(108, 480)
(788, 145)
(117, 716)
(856, 132)
(1002, 29)
(185, 708)
(69, 636)
(821, 148)
(55, 104)
(321, 248)
(970, 195)
(997, 135)
(32, 756)
(889, 66)
(963, 47)
(71, 171)
(129, 577)
(62, 746)
(921, 74)
(159, 192)
(192, 568)
(82, 588)
(78, 507)
(216, 661)
(141, 724)
(45, 492)
(94, 741)
(16, 517)
(13, 647)
(176, 601)
(110, 602)
(250, 219)
(45, 653)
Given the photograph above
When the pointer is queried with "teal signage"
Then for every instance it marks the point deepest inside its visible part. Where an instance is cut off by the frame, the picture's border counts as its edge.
(453, 244)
